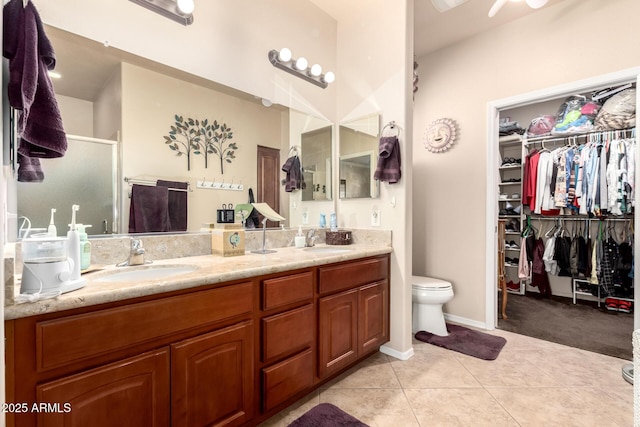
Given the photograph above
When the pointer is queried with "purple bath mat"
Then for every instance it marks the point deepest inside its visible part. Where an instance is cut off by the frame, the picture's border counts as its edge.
(326, 415)
(466, 341)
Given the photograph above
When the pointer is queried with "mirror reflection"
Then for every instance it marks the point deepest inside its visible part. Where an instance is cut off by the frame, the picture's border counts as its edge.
(359, 157)
(105, 93)
(316, 153)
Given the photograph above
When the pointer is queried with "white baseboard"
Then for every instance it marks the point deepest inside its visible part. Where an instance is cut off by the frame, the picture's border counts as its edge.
(464, 321)
(397, 354)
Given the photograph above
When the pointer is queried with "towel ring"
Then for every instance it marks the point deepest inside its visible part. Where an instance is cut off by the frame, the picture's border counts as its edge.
(393, 126)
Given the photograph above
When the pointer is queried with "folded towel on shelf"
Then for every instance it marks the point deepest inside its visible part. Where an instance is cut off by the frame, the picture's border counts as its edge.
(149, 210)
(177, 203)
(388, 168)
(30, 90)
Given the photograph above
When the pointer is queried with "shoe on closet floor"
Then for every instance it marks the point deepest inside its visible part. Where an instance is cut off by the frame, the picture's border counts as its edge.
(624, 306)
(513, 286)
(612, 304)
(513, 245)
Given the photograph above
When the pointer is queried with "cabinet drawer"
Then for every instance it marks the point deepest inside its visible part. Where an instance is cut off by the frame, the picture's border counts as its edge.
(285, 379)
(134, 389)
(287, 333)
(287, 290)
(353, 274)
(66, 340)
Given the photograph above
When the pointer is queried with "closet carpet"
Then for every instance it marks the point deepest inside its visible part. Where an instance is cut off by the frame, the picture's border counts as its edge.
(583, 325)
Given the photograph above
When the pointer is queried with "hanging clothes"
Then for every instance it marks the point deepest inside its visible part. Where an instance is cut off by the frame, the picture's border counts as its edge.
(539, 277)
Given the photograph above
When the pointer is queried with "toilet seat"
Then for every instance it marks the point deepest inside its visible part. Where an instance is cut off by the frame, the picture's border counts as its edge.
(429, 283)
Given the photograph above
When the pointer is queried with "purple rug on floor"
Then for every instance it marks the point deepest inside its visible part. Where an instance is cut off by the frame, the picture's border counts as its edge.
(466, 341)
(326, 415)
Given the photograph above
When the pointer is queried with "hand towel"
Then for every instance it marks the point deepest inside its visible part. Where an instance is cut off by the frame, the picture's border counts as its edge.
(294, 179)
(29, 169)
(30, 90)
(388, 168)
(177, 204)
(149, 210)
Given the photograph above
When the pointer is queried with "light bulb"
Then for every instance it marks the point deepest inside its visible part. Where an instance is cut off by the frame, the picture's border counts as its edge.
(316, 70)
(329, 77)
(302, 63)
(284, 55)
(186, 6)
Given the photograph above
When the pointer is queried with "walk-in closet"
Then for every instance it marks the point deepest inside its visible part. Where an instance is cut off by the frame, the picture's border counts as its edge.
(566, 182)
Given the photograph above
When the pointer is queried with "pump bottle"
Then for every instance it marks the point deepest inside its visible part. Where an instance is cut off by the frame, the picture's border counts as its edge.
(73, 244)
(85, 247)
(300, 239)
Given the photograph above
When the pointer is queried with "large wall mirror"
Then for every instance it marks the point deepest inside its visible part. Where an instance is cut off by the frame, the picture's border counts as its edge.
(359, 157)
(316, 166)
(107, 94)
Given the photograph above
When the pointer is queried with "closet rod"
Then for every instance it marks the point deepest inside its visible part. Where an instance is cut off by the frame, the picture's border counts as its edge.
(581, 135)
(573, 218)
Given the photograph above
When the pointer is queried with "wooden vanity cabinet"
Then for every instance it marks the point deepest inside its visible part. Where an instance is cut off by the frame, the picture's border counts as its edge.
(232, 354)
(288, 318)
(353, 312)
(182, 360)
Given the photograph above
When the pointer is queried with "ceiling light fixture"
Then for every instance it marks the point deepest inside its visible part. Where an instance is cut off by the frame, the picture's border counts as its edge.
(180, 11)
(300, 67)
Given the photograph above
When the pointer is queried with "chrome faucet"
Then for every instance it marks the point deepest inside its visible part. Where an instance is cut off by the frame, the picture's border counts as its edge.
(311, 238)
(136, 254)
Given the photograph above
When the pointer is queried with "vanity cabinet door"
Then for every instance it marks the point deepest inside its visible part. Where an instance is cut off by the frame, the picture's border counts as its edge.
(373, 316)
(133, 392)
(212, 378)
(338, 331)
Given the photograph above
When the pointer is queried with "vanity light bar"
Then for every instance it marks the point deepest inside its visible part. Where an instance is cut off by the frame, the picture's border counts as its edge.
(168, 9)
(299, 67)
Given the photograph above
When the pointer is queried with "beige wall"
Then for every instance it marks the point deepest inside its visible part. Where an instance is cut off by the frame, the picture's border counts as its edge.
(375, 53)
(573, 40)
(77, 115)
(149, 103)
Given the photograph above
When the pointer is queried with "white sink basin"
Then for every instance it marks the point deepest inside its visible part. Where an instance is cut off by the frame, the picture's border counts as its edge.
(327, 250)
(136, 274)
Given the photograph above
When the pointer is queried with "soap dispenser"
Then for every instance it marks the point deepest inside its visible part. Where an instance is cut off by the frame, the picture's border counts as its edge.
(323, 221)
(333, 222)
(85, 246)
(73, 244)
(300, 239)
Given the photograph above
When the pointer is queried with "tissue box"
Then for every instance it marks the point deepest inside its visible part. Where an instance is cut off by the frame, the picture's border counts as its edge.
(227, 240)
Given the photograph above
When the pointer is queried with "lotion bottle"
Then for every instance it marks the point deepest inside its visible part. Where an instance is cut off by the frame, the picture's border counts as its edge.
(73, 244)
(333, 222)
(300, 239)
(85, 247)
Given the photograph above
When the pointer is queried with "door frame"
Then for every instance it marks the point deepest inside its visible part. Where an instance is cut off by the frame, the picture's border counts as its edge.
(491, 228)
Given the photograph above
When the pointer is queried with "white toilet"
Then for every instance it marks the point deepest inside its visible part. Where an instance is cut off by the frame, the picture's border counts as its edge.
(428, 295)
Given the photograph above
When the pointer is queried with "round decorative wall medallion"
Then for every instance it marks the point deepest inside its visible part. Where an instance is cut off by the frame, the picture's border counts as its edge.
(440, 135)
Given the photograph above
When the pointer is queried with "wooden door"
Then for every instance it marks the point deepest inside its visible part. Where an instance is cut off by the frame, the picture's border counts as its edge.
(131, 393)
(373, 322)
(338, 331)
(212, 378)
(268, 190)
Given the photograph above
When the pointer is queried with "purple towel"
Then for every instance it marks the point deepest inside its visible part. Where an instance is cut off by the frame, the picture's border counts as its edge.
(388, 168)
(149, 210)
(294, 179)
(29, 169)
(30, 90)
(177, 204)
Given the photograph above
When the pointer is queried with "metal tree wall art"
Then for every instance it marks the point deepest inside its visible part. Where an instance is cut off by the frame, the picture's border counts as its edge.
(184, 138)
(216, 137)
(192, 136)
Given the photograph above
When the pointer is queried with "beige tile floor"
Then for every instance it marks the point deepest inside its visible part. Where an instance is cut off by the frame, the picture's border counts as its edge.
(532, 383)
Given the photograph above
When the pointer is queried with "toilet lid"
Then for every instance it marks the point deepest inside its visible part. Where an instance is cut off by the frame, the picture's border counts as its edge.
(429, 282)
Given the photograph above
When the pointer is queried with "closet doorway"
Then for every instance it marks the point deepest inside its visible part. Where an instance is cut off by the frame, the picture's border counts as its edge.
(507, 201)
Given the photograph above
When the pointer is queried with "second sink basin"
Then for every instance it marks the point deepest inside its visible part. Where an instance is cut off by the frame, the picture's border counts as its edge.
(136, 274)
(327, 250)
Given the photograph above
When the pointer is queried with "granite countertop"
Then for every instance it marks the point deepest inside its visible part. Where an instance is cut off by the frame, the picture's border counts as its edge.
(208, 269)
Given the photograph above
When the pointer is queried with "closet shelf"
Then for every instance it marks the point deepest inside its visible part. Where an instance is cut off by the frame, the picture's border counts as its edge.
(510, 183)
(510, 167)
(510, 199)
